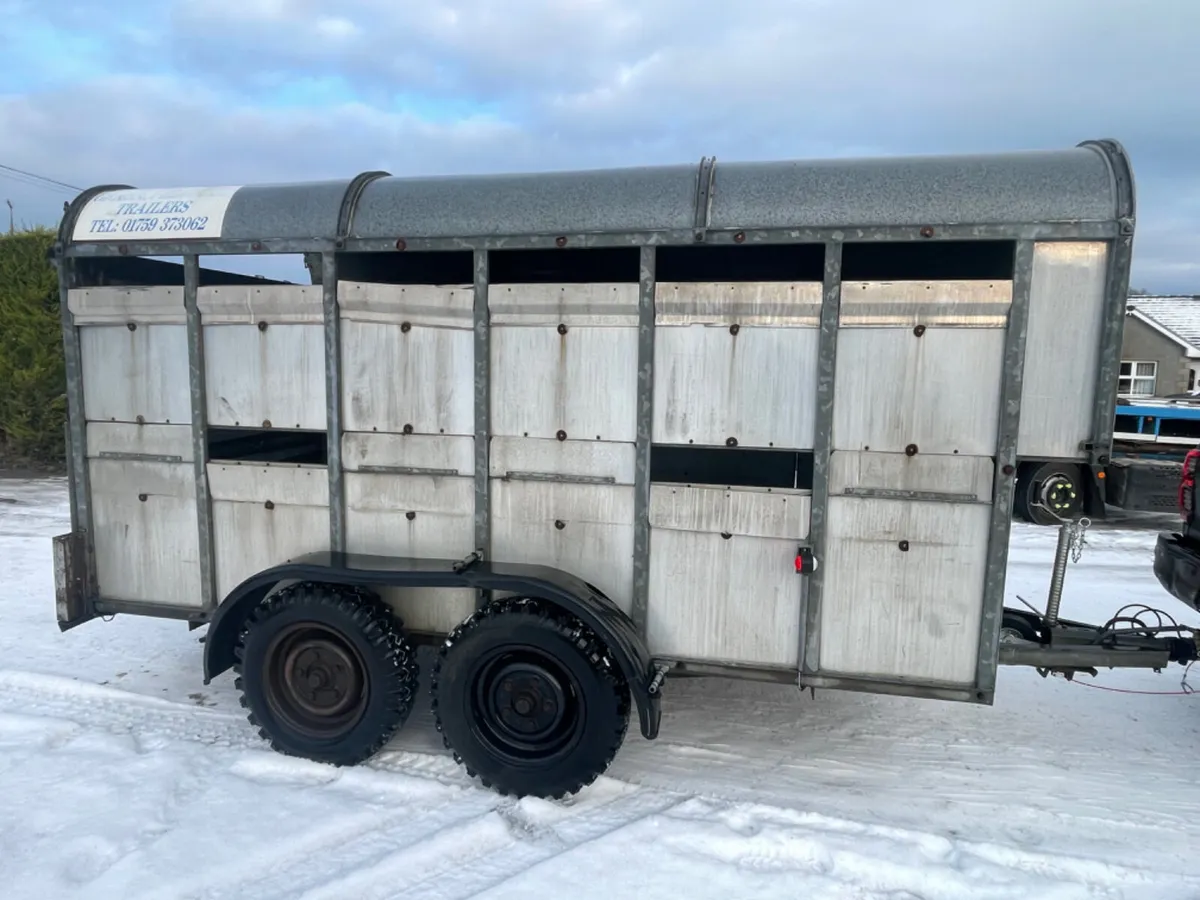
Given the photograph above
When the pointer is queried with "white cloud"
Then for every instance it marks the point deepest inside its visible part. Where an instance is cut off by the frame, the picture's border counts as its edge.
(579, 83)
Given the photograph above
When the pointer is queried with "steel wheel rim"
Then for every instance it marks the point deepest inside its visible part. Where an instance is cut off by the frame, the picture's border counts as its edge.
(316, 680)
(525, 705)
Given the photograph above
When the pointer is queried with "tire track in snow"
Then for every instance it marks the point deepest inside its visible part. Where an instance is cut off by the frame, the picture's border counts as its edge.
(545, 830)
(447, 839)
(465, 841)
(146, 718)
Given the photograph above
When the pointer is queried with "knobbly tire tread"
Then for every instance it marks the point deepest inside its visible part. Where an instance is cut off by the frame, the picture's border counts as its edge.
(383, 632)
(610, 684)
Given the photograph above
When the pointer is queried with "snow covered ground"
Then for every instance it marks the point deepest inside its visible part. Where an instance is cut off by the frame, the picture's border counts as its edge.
(122, 776)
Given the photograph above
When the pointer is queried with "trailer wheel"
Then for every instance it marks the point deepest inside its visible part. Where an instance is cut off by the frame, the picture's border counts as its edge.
(1055, 485)
(529, 700)
(325, 672)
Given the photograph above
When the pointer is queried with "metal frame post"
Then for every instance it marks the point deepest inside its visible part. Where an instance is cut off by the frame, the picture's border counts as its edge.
(1005, 472)
(199, 398)
(827, 340)
(78, 478)
(1120, 257)
(645, 426)
(483, 409)
(333, 402)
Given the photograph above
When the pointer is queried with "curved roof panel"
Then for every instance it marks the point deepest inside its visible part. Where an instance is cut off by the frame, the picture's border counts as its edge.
(660, 198)
(1055, 186)
(1079, 184)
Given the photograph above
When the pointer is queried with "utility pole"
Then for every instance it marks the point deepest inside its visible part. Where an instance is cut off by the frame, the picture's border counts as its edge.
(12, 228)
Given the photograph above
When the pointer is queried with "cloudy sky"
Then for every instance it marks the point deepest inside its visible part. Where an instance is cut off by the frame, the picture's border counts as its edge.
(184, 92)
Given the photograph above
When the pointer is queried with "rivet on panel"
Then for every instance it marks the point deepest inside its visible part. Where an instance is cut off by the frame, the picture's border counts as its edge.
(257, 245)
(560, 242)
(561, 435)
(731, 442)
(338, 243)
(266, 423)
(408, 429)
(123, 250)
(410, 515)
(141, 420)
(269, 505)
(911, 450)
(725, 535)
(734, 329)
(919, 330)
(401, 244)
(1008, 469)
(143, 497)
(405, 327)
(904, 546)
(262, 326)
(927, 232)
(560, 524)
(132, 326)
(562, 328)
(740, 237)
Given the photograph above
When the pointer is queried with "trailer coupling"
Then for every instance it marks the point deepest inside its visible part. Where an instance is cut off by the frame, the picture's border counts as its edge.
(1074, 647)
(1137, 636)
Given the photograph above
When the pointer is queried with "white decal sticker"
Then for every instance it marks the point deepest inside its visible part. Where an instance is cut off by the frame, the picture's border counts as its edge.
(161, 214)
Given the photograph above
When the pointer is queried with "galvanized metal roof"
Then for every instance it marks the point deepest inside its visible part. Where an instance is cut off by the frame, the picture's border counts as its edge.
(1069, 185)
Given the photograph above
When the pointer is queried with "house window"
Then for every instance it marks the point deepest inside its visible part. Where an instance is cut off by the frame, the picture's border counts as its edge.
(1137, 378)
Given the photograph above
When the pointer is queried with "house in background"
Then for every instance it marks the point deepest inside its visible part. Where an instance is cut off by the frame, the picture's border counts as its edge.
(1160, 352)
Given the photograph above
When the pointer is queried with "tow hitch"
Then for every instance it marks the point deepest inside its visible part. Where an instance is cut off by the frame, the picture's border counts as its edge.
(1137, 636)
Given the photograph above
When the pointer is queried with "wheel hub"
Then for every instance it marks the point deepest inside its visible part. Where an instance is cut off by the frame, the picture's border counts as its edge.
(526, 706)
(1060, 495)
(315, 679)
(322, 676)
(528, 701)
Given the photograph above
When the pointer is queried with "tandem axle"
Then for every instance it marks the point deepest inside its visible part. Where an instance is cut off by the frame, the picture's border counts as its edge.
(532, 693)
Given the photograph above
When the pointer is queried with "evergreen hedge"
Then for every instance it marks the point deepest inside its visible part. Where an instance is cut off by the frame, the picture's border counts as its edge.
(33, 401)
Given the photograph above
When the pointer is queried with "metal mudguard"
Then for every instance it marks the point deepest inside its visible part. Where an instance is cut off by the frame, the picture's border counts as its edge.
(587, 603)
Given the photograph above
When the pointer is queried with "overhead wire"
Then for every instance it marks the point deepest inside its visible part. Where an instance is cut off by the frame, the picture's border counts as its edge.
(23, 176)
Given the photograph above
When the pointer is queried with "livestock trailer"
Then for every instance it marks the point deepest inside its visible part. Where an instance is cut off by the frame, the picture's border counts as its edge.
(583, 430)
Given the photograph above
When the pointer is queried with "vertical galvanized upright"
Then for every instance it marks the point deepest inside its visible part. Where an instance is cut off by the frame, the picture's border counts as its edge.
(78, 481)
(645, 426)
(827, 340)
(333, 401)
(483, 408)
(199, 398)
(1004, 481)
(1120, 256)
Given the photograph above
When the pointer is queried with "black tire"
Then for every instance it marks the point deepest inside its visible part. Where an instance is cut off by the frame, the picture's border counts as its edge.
(529, 700)
(1065, 492)
(1021, 626)
(362, 671)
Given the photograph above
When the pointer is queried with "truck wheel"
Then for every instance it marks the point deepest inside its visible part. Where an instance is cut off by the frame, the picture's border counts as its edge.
(1016, 626)
(325, 672)
(1054, 485)
(529, 700)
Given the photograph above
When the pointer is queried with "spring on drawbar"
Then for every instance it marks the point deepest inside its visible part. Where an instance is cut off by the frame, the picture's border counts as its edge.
(1059, 574)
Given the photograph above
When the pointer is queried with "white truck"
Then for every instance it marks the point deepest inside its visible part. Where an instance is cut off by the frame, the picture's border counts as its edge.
(583, 430)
